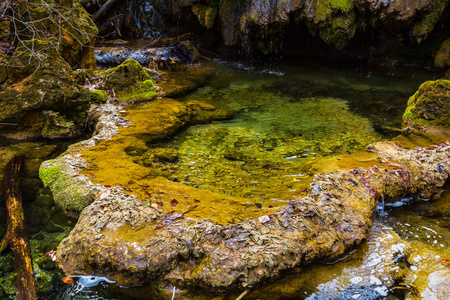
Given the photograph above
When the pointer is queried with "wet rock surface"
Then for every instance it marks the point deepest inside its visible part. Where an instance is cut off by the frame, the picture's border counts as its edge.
(142, 243)
(39, 97)
(429, 109)
(159, 54)
(390, 264)
(48, 102)
(259, 26)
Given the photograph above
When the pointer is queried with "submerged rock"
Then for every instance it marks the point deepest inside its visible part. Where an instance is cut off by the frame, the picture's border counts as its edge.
(167, 116)
(429, 108)
(390, 264)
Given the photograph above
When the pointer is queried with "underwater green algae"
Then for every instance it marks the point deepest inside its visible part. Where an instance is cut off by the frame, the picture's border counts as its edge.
(46, 225)
(258, 153)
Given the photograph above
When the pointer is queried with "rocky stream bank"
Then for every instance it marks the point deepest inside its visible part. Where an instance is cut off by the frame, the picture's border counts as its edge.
(140, 225)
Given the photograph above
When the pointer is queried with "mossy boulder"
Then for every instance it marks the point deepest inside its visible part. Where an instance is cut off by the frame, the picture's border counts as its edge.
(66, 23)
(99, 96)
(38, 82)
(442, 57)
(432, 12)
(128, 74)
(71, 193)
(430, 106)
(130, 81)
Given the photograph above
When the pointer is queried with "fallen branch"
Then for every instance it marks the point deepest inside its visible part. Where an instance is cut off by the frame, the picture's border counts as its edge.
(405, 131)
(16, 237)
(103, 10)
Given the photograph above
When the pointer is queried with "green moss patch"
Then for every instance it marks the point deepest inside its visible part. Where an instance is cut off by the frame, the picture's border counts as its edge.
(430, 105)
(99, 96)
(69, 194)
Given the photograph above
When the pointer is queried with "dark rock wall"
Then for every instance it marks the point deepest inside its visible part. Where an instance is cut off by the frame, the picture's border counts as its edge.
(267, 26)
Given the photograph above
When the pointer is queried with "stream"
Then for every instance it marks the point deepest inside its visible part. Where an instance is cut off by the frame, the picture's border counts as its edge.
(289, 123)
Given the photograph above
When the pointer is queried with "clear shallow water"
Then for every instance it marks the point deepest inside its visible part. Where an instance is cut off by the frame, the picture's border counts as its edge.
(283, 119)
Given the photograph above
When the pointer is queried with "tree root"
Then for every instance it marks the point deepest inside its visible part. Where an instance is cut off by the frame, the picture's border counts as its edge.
(16, 237)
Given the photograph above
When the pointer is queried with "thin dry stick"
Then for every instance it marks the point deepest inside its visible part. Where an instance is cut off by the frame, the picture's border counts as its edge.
(243, 294)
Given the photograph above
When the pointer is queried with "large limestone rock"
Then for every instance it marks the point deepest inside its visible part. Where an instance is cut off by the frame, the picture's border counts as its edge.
(65, 23)
(38, 94)
(120, 235)
(41, 82)
(429, 108)
(259, 25)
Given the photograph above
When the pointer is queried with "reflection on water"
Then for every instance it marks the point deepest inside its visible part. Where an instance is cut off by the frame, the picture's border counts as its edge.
(426, 222)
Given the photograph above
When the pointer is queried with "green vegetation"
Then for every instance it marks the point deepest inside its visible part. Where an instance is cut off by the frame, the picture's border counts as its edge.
(99, 96)
(71, 196)
(430, 105)
(442, 57)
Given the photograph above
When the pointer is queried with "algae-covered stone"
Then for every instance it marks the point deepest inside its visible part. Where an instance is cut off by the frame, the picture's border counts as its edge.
(39, 83)
(64, 22)
(128, 74)
(442, 57)
(202, 112)
(430, 106)
(335, 215)
(432, 12)
(144, 91)
(71, 193)
(99, 96)
(131, 82)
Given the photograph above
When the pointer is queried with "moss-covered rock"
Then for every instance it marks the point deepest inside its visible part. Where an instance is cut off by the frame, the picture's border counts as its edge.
(429, 107)
(128, 74)
(432, 12)
(144, 91)
(243, 23)
(131, 82)
(99, 96)
(335, 215)
(66, 23)
(442, 57)
(42, 81)
(206, 15)
(71, 193)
